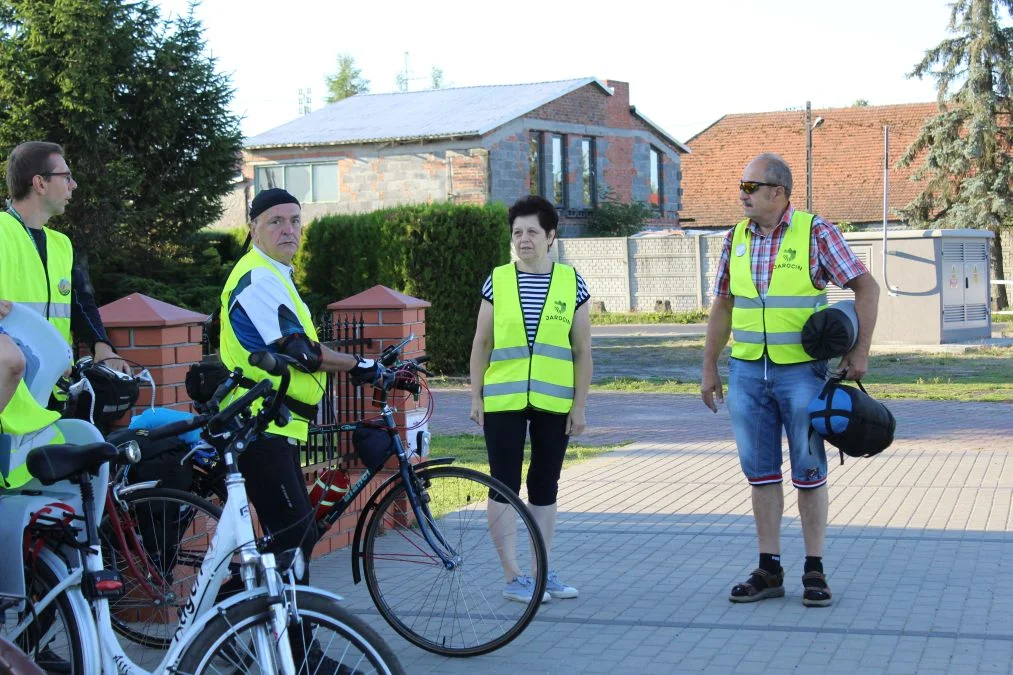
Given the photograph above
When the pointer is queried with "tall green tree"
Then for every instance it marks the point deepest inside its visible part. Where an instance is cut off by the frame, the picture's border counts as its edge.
(143, 118)
(967, 147)
(347, 81)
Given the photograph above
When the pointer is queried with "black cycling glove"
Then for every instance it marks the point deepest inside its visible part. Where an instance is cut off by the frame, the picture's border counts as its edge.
(366, 371)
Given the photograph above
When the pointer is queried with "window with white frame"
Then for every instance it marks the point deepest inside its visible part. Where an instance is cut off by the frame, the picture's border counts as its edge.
(309, 183)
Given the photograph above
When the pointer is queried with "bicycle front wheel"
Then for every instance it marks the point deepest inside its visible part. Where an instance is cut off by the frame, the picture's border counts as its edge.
(461, 611)
(329, 641)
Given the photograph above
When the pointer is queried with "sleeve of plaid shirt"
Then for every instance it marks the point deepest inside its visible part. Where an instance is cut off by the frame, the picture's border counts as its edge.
(837, 262)
(722, 278)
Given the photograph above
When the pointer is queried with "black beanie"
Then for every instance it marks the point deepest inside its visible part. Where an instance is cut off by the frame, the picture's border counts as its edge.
(265, 199)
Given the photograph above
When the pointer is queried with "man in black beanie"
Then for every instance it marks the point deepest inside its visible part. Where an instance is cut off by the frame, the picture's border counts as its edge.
(261, 310)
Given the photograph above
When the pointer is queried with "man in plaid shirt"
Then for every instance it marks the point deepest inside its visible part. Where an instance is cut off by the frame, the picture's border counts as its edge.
(764, 294)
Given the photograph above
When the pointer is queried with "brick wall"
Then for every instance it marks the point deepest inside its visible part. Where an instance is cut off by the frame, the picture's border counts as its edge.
(587, 105)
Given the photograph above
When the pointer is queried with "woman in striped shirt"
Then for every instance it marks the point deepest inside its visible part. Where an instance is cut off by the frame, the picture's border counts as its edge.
(553, 409)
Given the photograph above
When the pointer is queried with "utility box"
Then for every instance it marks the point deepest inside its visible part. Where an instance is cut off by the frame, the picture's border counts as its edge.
(940, 281)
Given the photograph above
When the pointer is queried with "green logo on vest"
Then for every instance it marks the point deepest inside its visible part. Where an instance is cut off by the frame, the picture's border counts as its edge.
(64, 286)
(559, 307)
(787, 256)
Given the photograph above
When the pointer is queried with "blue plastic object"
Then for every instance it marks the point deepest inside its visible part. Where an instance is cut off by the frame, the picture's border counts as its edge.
(157, 417)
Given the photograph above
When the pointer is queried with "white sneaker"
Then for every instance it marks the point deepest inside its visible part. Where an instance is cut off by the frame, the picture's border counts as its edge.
(558, 589)
(521, 589)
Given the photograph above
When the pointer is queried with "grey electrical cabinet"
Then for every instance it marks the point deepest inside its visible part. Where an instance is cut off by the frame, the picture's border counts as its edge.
(934, 288)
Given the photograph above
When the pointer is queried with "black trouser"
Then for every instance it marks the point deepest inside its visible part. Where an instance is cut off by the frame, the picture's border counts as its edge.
(504, 440)
(277, 489)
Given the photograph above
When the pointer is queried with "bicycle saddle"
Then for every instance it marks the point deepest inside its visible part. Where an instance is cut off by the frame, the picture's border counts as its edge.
(52, 463)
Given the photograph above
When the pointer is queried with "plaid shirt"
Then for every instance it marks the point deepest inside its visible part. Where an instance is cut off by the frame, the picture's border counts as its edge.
(830, 257)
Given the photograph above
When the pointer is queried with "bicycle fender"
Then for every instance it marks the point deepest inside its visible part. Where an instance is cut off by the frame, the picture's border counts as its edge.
(171, 660)
(370, 507)
(90, 640)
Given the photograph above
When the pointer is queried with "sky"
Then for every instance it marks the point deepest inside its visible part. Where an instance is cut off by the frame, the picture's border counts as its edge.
(687, 63)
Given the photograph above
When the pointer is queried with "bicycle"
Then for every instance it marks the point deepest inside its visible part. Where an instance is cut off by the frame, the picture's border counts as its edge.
(156, 537)
(272, 625)
(423, 540)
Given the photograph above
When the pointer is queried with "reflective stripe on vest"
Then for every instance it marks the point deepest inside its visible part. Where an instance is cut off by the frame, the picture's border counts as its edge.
(23, 278)
(540, 376)
(304, 387)
(775, 322)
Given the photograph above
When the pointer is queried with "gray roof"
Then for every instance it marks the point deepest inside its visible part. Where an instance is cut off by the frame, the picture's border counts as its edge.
(434, 114)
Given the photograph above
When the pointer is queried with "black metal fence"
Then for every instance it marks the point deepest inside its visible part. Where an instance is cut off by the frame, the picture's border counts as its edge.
(342, 402)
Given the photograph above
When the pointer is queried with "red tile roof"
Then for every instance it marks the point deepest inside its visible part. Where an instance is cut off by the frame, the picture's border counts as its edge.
(847, 161)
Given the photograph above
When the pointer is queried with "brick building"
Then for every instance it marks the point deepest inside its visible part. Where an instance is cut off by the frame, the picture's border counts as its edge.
(573, 141)
(847, 167)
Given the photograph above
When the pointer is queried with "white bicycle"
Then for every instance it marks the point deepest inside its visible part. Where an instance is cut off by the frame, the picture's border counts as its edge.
(273, 626)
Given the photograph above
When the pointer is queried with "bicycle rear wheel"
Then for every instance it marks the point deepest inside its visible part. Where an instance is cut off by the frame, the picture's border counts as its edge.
(331, 641)
(174, 529)
(461, 611)
(53, 639)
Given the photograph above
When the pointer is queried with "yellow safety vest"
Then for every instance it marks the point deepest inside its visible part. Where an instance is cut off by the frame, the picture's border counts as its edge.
(303, 387)
(540, 376)
(46, 290)
(774, 323)
(24, 279)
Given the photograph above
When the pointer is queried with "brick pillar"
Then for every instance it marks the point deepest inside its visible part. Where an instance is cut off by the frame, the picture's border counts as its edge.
(388, 317)
(163, 338)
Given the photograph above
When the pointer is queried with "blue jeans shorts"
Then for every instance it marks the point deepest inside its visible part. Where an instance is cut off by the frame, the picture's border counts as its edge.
(764, 398)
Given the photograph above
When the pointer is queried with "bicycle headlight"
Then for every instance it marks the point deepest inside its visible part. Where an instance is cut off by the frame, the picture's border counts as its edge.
(132, 451)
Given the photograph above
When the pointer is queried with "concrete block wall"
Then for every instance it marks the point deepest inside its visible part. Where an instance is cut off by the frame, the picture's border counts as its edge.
(633, 274)
(508, 168)
(370, 178)
(604, 264)
(641, 183)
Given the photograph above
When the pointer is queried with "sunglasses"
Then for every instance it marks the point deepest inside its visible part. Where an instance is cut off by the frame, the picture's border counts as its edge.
(751, 186)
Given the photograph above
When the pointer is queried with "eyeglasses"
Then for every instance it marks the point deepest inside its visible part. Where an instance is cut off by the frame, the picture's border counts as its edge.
(65, 174)
(751, 186)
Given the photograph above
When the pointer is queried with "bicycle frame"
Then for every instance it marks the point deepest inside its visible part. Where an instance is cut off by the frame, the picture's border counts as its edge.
(102, 650)
(406, 473)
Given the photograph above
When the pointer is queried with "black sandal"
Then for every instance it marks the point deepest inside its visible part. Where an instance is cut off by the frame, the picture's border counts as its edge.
(816, 591)
(760, 586)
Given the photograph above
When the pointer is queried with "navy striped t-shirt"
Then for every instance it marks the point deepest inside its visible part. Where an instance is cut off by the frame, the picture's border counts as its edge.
(533, 289)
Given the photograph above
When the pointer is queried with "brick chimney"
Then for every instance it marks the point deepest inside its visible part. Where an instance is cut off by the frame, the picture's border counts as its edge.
(618, 105)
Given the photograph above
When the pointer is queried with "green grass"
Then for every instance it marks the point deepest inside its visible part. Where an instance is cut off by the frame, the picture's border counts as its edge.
(672, 365)
(612, 319)
(469, 450)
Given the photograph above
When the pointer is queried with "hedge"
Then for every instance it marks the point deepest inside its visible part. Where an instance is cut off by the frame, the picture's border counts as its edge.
(439, 252)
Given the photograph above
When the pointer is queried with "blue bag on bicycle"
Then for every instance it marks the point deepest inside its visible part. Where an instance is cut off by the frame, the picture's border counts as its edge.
(851, 420)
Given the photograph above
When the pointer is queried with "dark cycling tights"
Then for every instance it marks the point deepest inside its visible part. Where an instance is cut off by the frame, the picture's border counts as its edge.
(504, 440)
(275, 485)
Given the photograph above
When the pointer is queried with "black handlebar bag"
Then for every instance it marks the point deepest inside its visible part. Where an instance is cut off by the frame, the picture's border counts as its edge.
(851, 420)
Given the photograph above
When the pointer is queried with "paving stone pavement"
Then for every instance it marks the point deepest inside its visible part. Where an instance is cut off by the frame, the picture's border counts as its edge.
(919, 552)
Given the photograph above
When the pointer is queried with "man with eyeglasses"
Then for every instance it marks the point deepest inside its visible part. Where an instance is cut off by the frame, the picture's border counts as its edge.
(771, 277)
(37, 270)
